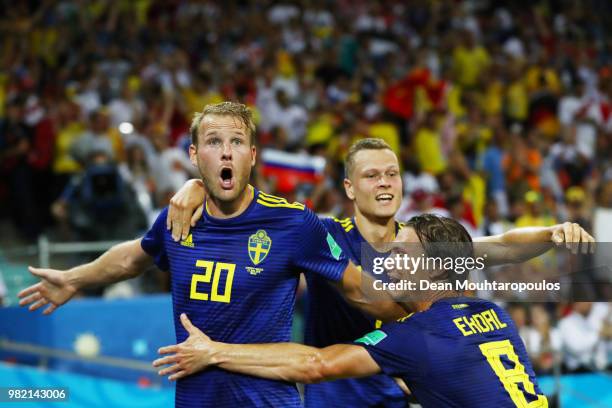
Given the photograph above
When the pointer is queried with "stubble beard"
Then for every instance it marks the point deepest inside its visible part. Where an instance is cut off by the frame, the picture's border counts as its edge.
(216, 193)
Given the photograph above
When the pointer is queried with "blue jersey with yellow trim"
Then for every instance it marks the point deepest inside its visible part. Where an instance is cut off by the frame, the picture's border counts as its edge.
(462, 352)
(331, 320)
(236, 279)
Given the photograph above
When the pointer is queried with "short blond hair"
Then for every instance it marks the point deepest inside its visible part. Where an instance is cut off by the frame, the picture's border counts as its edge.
(233, 109)
(369, 143)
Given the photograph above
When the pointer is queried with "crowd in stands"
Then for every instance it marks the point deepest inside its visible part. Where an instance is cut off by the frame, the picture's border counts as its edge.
(501, 114)
(578, 340)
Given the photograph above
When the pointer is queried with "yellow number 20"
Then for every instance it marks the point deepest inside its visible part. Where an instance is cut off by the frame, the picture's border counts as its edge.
(511, 377)
(213, 271)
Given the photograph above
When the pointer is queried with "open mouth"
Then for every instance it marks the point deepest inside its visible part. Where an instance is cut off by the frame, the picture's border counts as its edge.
(227, 178)
(384, 197)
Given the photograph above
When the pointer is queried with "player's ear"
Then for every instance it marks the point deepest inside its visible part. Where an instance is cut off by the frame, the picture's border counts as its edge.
(193, 154)
(253, 155)
(348, 188)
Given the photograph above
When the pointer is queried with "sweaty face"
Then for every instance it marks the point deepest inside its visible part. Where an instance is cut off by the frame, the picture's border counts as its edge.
(375, 183)
(224, 156)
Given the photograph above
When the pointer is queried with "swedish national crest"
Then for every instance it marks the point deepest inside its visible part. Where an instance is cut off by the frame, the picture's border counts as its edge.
(259, 246)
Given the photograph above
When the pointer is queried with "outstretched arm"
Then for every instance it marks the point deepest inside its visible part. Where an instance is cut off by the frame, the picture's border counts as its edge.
(121, 262)
(521, 244)
(277, 361)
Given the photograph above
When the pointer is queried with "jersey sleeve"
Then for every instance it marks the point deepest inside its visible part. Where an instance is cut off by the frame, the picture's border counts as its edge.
(316, 251)
(395, 347)
(328, 223)
(153, 241)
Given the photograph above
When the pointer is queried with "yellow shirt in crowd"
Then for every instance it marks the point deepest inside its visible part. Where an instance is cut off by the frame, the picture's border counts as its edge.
(429, 151)
(387, 132)
(469, 64)
(63, 162)
(517, 101)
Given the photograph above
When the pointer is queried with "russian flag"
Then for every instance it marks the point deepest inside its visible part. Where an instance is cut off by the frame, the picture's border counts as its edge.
(291, 169)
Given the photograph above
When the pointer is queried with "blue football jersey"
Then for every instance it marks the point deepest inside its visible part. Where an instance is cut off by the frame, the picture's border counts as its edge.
(331, 320)
(236, 279)
(462, 352)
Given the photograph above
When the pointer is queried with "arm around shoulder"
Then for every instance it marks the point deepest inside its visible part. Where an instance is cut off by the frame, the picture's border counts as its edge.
(358, 289)
(296, 362)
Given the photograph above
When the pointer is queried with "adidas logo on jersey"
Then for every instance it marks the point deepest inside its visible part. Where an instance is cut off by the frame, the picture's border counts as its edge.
(188, 242)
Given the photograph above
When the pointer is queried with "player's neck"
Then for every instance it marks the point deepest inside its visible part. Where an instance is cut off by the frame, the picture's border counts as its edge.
(230, 209)
(375, 229)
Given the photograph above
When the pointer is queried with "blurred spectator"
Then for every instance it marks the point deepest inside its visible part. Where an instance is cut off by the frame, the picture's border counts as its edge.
(583, 333)
(522, 164)
(491, 164)
(546, 340)
(533, 213)
(171, 167)
(415, 179)
(420, 202)
(516, 98)
(427, 146)
(200, 93)
(126, 108)
(41, 116)
(470, 186)
(99, 135)
(69, 130)
(136, 171)
(457, 210)
(99, 204)
(290, 118)
(581, 114)
(494, 223)
(469, 60)
(569, 163)
(530, 336)
(15, 145)
(577, 209)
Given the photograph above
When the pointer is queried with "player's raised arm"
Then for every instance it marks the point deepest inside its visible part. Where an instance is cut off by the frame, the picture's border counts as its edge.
(185, 208)
(277, 361)
(353, 286)
(521, 244)
(123, 261)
